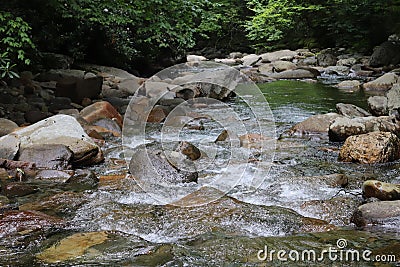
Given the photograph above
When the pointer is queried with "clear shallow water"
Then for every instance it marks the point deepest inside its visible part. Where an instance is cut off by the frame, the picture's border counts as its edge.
(229, 232)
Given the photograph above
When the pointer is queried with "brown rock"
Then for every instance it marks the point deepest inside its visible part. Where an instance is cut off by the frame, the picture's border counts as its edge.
(18, 189)
(375, 147)
(7, 126)
(381, 190)
(72, 247)
(222, 136)
(101, 110)
(157, 115)
(253, 140)
(316, 124)
(189, 150)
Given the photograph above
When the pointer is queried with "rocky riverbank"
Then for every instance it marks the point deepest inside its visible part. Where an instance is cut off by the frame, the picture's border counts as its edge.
(61, 145)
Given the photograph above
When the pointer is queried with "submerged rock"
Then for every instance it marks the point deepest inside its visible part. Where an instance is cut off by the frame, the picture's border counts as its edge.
(189, 150)
(375, 147)
(351, 111)
(18, 189)
(377, 213)
(61, 203)
(14, 222)
(72, 247)
(151, 166)
(381, 190)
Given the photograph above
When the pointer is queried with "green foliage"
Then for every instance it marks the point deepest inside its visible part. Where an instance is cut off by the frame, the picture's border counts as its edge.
(345, 23)
(14, 44)
(6, 67)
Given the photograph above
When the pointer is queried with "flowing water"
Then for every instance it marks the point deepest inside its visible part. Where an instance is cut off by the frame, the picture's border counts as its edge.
(296, 186)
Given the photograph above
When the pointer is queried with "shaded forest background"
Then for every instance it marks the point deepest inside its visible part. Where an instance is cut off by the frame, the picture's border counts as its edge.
(135, 34)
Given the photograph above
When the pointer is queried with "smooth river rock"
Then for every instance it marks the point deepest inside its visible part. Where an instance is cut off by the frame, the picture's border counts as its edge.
(381, 190)
(377, 213)
(378, 105)
(317, 124)
(58, 130)
(351, 111)
(375, 147)
(383, 83)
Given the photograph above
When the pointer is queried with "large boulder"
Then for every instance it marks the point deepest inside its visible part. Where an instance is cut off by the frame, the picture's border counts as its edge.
(381, 212)
(375, 147)
(316, 124)
(57, 130)
(386, 54)
(344, 127)
(74, 84)
(351, 111)
(383, 83)
(378, 105)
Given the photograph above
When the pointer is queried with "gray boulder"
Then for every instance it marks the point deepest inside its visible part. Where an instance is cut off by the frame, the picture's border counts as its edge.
(325, 59)
(378, 105)
(383, 83)
(351, 111)
(303, 73)
(58, 130)
(386, 54)
(343, 127)
(287, 55)
(350, 84)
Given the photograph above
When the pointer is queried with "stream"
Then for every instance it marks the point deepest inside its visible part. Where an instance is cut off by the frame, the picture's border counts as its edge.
(284, 211)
